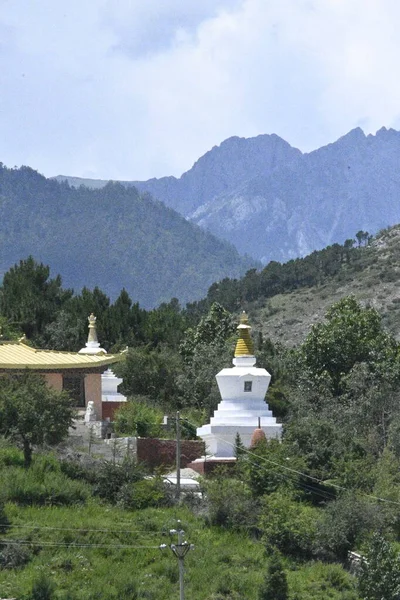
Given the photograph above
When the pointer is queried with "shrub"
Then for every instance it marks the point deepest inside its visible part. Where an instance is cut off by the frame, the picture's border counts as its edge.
(144, 494)
(111, 478)
(288, 525)
(275, 586)
(342, 526)
(43, 588)
(11, 456)
(231, 504)
(137, 417)
(13, 556)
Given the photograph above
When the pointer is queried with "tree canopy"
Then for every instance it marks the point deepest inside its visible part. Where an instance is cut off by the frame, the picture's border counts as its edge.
(32, 413)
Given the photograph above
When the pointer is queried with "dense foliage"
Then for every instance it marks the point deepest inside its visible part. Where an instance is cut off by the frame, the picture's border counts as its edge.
(298, 506)
(116, 237)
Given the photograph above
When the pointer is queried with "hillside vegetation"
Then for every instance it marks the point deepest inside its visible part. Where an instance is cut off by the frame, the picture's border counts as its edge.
(285, 300)
(286, 517)
(113, 237)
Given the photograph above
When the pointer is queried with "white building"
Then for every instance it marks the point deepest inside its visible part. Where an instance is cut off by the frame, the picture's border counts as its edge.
(243, 407)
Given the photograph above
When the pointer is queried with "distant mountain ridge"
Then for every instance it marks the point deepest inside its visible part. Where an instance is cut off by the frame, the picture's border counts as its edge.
(112, 237)
(275, 203)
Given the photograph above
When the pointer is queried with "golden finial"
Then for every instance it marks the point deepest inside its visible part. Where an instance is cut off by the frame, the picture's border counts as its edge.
(244, 345)
(92, 337)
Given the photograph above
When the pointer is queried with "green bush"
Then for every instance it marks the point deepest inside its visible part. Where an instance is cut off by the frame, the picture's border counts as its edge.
(13, 555)
(343, 525)
(288, 525)
(231, 504)
(274, 586)
(43, 588)
(11, 456)
(137, 417)
(111, 478)
(146, 493)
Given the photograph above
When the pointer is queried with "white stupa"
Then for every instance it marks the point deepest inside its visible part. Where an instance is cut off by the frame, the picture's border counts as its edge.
(243, 407)
(92, 346)
(109, 387)
(109, 381)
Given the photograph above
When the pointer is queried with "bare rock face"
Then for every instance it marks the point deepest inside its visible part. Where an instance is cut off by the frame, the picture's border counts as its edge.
(275, 203)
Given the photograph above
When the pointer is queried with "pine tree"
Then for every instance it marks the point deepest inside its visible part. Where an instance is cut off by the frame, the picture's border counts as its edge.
(239, 446)
(275, 586)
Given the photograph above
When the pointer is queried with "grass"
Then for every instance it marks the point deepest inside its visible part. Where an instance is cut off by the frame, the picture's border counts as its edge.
(91, 550)
(220, 560)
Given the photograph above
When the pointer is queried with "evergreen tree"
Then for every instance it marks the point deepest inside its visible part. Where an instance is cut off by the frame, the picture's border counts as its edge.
(275, 586)
(29, 299)
(239, 446)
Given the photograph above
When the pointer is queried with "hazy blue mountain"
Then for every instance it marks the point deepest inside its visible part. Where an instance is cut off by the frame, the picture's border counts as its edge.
(325, 197)
(221, 170)
(112, 237)
(273, 202)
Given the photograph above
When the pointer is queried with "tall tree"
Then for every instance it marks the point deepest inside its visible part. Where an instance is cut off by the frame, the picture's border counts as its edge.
(350, 334)
(32, 413)
(29, 299)
(380, 571)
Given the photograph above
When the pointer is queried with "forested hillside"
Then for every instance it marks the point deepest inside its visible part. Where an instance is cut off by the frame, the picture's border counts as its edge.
(112, 238)
(281, 524)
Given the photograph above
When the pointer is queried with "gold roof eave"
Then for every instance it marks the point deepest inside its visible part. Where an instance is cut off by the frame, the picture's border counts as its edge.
(18, 356)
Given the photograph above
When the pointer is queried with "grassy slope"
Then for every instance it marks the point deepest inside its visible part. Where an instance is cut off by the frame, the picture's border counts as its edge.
(221, 560)
(223, 565)
(289, 317)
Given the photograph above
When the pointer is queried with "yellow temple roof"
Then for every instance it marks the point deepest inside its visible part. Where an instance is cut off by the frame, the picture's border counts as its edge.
(244, 345)
(17, 356)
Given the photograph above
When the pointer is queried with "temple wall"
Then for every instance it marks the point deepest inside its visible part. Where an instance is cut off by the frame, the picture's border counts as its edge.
(93, 392)
(162, 453)
(109, 408)
(54, 380)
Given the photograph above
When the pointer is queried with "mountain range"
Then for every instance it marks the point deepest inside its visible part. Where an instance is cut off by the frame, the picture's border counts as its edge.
(114, 237)
(274, 202)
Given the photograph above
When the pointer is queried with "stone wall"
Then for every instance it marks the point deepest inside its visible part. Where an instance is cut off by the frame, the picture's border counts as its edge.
(156, 453)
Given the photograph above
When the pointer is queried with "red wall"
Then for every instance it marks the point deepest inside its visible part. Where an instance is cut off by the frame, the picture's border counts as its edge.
(108, 409)
(156, 453)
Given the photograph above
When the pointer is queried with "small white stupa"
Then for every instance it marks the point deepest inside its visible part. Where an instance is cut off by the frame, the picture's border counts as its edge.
(109, 381)
(243, 407)
(109, 387)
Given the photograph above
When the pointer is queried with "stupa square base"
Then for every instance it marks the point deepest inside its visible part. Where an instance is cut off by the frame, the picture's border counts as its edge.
(207, 464)
(220, 439)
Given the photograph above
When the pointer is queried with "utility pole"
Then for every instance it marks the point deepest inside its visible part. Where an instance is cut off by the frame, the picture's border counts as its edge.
(179, 550)
(178, 457)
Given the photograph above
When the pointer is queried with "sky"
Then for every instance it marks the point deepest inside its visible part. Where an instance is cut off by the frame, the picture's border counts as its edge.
(133, 89)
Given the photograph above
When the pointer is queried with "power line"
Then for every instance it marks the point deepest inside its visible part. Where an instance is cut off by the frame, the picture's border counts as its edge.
(314, 479)
(75, 545)
(133, 531)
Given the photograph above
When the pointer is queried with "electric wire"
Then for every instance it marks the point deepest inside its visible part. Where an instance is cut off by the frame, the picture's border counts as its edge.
(84, 529)
(310, 477)
(74, 545)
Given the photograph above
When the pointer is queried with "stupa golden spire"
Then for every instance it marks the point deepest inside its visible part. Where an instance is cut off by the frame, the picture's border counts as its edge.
(244, 345)
(92, 337)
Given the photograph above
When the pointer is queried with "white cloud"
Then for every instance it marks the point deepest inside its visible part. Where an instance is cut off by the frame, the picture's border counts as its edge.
(137, 89)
